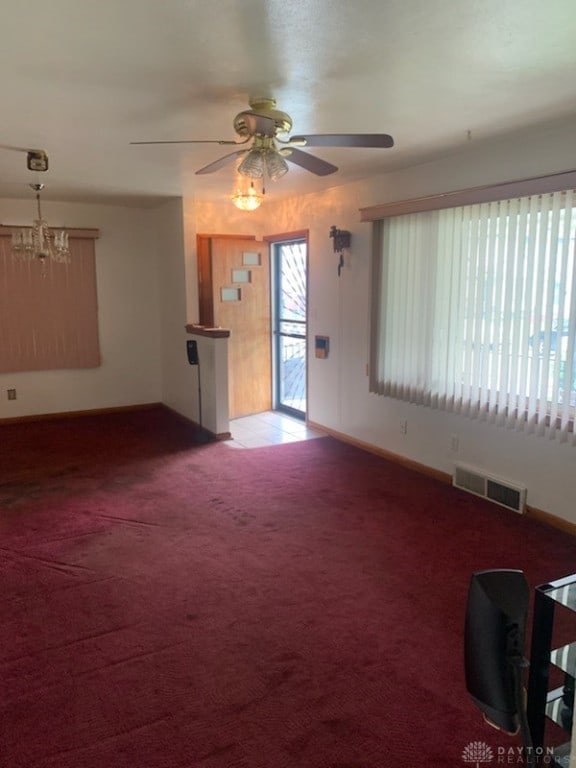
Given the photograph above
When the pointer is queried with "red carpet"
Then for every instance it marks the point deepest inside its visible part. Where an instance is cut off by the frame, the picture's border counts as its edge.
(167, 604)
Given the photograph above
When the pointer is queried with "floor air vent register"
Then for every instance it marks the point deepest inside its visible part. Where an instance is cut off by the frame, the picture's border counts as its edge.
(495, 489)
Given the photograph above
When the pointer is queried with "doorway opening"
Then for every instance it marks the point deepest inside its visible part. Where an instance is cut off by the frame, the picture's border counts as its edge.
(289, 325)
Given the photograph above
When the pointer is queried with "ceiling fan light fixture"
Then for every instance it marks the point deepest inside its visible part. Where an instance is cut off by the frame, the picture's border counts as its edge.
(276, 166)
(253, 164)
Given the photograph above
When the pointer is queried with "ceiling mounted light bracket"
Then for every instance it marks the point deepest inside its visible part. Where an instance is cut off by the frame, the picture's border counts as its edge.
(36, 160)
(341, 242)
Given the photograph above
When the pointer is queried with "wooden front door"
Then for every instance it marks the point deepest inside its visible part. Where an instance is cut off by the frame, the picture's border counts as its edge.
(241, 303)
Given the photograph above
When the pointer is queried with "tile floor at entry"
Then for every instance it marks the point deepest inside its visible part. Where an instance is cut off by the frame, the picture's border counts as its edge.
(268, 428)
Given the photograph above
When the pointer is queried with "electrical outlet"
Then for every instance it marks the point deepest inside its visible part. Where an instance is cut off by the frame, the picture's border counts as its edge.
(404, 427)
(11, 394)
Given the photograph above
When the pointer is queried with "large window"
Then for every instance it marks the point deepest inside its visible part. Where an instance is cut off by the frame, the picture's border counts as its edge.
(49, 316)
(475, 311)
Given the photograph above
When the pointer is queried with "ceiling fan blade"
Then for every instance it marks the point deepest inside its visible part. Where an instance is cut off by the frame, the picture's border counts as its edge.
(18, 149)
(190, 141)
(309, 162)
(376, 140)
(221, 162)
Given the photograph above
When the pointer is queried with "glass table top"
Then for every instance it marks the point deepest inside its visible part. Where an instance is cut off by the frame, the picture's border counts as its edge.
(562, 591)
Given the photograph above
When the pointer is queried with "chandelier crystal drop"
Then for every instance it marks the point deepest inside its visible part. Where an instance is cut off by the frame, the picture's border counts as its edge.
(39, 242)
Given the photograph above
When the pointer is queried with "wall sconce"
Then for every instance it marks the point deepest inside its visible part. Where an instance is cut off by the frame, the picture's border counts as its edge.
(342, 240)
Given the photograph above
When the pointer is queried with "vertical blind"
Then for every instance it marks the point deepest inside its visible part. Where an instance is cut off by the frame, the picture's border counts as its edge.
(474, 311)
(48, 317)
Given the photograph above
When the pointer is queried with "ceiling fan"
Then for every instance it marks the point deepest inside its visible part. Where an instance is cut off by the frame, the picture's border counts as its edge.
(36, 159)
(268, 127)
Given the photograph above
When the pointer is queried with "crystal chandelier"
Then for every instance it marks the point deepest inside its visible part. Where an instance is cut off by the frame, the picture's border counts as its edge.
(38, 241)
(248, 201)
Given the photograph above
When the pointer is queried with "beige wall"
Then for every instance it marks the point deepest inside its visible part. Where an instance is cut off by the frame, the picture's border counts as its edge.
(128, 315)
(339, 308)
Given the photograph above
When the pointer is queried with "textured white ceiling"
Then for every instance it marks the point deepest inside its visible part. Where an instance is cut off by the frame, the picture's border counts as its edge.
(81, 80)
